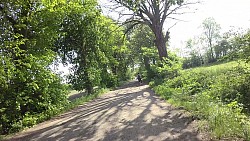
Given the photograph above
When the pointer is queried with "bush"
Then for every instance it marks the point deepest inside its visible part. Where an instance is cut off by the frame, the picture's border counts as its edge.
(20, 101)
(164, 70)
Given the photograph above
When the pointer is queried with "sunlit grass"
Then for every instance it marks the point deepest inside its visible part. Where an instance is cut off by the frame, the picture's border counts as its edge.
(202, 91)
(219, 67)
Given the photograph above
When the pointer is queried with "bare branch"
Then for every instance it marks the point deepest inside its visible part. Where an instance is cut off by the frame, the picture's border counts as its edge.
(176, 19)
(181, 6)
(131, 27)
(172, 26)
(166, 8)
(146, 12)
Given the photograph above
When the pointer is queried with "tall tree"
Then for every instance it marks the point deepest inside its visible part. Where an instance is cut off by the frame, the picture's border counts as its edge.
(142, 42)
(211, 33)
(221, 48)
(154, 14)
(79, 44)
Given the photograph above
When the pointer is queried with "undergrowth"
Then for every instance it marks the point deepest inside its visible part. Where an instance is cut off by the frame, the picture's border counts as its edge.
(217, 94)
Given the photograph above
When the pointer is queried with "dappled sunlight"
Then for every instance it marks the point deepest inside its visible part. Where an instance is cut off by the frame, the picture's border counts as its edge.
(131, 112)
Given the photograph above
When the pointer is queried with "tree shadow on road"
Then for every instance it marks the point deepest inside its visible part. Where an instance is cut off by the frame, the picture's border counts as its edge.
(102, 119)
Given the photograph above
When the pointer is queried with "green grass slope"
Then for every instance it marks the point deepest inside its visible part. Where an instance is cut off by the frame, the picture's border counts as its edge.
(219, 95)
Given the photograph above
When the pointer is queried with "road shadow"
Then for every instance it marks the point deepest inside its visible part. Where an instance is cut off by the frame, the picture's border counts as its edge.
(79, 94)
(131, 112)
(76, 96)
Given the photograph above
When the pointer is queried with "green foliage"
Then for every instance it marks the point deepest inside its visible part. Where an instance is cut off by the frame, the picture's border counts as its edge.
(27, 85)
(144, 52)
(94, 45)
(193, 61)
(78, 44)
(165, 70)
(194, 58)
(218, 94)
(245, 46)
(33, 36)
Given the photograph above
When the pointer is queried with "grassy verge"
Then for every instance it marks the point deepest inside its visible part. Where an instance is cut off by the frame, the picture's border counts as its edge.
(218, 95)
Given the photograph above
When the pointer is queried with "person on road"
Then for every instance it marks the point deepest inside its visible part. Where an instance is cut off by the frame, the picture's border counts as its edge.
(139, 78)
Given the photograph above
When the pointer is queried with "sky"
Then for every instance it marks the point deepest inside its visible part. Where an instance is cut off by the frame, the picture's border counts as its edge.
(227, 13)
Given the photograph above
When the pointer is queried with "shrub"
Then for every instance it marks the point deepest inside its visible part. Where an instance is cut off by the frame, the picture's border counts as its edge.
(164, 70)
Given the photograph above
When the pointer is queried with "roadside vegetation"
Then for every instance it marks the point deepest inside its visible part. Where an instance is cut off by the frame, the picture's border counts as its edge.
(217, 95)
(36, 35)
(213, 86)
(102, 53)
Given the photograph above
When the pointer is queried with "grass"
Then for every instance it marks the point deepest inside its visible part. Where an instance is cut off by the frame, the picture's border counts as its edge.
(218, 95)
(218, 67)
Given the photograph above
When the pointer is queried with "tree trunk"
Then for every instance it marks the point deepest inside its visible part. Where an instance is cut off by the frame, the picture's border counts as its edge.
(211, 49)
(160, 43)
(146, 63)
(88, 83)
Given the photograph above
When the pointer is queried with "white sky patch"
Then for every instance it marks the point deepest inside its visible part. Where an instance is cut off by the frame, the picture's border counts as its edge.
(227, 13)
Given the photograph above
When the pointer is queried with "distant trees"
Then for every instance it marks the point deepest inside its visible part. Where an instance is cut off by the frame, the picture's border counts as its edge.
(221, 48)
(144, 38)
(210, 35)
(194, 59)
(142, 44)
(212, 46)
(79, 44)
(246, 46)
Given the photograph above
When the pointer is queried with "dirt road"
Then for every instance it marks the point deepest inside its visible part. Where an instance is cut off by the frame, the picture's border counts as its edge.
(130, 113)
